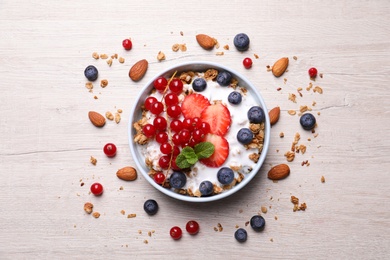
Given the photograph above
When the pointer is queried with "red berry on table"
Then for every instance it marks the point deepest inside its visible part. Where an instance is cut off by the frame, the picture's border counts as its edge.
(156, 108)
(160, 123)
(174, 111)
(127, 44)
(313, 72)
(218, 117)
(96, 189)
(149, 130)
(221, 151)
(175, 232)
(160, 83)
(247, 62)
(171, 99)
(193, 105)
(159, 177)
(192, 227)
(176, 86)
(109, 150)
(149, 102)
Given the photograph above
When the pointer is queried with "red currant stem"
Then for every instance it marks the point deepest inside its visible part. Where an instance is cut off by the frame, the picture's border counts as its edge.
(167, 86)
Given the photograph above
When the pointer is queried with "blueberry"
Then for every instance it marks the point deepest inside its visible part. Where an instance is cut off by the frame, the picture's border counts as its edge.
(224, 78)
(91, 73)
(241, 235)
(177, 180)
(199, 84)
(256, 114)
(245, 136)
(235, 98)
(206, 188)
(257, 223)
(225, 175)
(151, 207)
(308, 121)
(241, 41)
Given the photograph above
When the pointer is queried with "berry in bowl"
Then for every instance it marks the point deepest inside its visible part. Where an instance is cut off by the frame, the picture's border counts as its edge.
(199, 131)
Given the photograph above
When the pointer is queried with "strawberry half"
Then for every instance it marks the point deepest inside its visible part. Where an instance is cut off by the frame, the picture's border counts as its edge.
(218, 117)
(193, 105)
(221, 151)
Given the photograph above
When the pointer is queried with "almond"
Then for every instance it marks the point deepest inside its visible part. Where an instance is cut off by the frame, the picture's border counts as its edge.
(280, 67)
(274, 115)
(205, 41)
(127, 173)
(138, 70)
(96, 118)
(279, 172)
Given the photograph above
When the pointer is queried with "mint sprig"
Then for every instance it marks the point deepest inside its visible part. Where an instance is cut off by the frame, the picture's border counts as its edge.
(189, 156)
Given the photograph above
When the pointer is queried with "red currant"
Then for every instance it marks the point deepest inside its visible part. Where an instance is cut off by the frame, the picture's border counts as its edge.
(176, 125)
(161, 137)
(174, 111)
(109, 150)
(247, 62)
(127, 44)
(149, 102)
(205, 127)
(164, 161)
(313, 72)
(176, 139)
(176, 86)
(175, 232)
(166, 148)
(174, 165)
(191, 143)
(156, 108)
(97, 189)
(192, 227)
(160, 83)
(149, 130)
(171, 99)
(185, 136)
(198, 135)
(159, 177)
(188, 124)
(160, 123)
(197, 122)
(176, 151)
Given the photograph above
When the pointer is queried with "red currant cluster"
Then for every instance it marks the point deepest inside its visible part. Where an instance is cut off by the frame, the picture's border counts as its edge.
(171, 132)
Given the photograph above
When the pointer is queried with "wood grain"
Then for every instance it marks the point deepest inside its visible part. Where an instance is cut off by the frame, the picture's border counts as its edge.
(47, 139)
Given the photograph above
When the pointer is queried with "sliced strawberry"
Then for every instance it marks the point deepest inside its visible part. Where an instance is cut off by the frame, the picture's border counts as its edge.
(218, 117)
(221, 151)
(193, 105)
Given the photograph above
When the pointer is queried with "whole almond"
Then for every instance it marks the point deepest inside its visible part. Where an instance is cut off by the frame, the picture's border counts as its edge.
(127, 173)
(274, 115)
(96, 119)
(205, 41)
(280, 67)
(279, 172)
(138, 70)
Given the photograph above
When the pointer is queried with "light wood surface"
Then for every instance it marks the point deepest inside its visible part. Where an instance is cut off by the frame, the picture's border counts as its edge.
(47, 139)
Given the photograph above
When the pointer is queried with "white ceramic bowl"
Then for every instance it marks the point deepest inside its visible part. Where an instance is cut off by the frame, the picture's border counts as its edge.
(136, 112)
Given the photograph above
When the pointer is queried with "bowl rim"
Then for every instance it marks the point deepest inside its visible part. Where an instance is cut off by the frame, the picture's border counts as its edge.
(247, 179)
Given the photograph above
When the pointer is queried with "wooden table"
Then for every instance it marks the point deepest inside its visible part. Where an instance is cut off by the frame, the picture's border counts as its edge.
(47, 139)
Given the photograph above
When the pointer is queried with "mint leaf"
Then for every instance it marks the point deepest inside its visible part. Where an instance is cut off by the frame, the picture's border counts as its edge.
(181, 162)
(204, 150)
(190, 155)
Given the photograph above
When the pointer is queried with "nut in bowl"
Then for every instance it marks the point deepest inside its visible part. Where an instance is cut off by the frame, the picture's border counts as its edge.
(199, 131)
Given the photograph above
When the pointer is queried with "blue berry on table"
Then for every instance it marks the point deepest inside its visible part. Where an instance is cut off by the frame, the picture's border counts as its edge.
(241, 235)
(256, 115)
(177, 180)
(199, 84)
(241, 41)
(206, 188)
(245, 136)
(308, 121)
(235, 98)
(224, 78)
(91, 73)
(225, 175)
(257, 223)
(151, 207)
